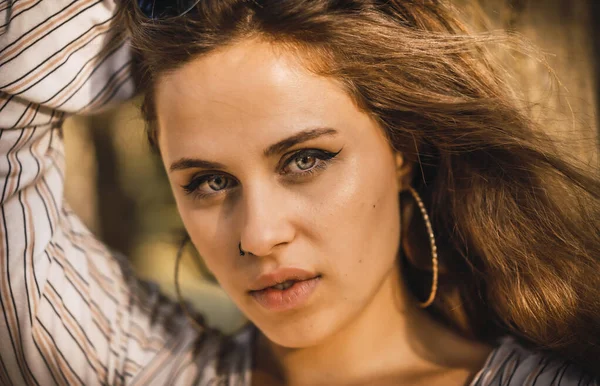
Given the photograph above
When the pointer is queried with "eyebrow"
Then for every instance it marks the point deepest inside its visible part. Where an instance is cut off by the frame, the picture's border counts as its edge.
(279, 147)
(187, 163)
(303, 136)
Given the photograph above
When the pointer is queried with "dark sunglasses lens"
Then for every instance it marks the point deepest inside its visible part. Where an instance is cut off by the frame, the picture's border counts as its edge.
(161, 9)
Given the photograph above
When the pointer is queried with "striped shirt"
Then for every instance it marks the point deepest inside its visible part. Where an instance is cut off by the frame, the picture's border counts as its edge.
(73, 313)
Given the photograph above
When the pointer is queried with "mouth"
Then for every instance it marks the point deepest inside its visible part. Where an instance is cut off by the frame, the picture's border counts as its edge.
(281, 277)
(284, 289)
(286, 296)
(285, 285)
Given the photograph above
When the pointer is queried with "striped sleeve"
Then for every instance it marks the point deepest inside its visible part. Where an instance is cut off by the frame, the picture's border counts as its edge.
(511, 364)
(72, 312)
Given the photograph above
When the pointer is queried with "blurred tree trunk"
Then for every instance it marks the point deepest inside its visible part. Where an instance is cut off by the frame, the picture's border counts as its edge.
(117, 217)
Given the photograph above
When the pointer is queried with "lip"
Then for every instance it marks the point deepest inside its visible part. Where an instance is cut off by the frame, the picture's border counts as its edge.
(281, 275)
(284, 300)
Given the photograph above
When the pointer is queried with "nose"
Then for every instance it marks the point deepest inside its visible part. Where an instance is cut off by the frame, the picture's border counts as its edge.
(266, 223)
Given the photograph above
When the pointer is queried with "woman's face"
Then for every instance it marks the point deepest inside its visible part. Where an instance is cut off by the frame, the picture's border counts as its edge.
(261, 151)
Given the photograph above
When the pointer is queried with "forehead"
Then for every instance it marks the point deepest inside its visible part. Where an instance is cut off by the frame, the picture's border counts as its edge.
(252, 86)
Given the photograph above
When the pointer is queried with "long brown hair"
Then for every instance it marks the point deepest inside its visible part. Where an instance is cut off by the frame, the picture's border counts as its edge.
(517, 222)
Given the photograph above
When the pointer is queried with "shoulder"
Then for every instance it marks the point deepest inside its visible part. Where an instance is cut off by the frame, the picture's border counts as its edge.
(512, 364)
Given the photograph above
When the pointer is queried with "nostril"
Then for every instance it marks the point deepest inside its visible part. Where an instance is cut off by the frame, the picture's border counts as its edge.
(242, 252)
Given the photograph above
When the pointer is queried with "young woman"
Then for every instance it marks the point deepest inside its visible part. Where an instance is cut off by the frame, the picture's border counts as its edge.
(354, 173)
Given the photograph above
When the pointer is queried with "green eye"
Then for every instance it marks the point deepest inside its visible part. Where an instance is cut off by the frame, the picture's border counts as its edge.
(209, 184)
(217, 183)
(305, 162)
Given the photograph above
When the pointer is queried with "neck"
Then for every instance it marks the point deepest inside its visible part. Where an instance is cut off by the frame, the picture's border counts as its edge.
(391, 336)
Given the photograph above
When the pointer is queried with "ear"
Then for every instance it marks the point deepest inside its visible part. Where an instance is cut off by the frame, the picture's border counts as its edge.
(404, 172)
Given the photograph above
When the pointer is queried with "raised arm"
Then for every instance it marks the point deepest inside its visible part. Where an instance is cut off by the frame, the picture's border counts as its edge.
(72, 312)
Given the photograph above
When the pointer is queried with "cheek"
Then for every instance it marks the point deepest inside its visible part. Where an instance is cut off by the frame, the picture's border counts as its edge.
(363, 224)
(208, 232)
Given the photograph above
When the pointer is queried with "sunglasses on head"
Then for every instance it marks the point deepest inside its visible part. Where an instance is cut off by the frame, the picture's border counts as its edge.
(163, 9)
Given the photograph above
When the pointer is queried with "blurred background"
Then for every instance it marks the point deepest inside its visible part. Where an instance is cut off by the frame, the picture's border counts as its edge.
(119, 187)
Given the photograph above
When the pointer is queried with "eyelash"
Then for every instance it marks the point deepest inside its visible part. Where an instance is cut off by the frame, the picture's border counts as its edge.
(323, 158)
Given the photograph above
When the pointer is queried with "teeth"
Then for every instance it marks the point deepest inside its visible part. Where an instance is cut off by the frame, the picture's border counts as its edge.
(284, 285)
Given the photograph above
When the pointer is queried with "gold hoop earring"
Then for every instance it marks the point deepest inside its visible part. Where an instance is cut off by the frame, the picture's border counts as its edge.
(197, 325)
(434, 283)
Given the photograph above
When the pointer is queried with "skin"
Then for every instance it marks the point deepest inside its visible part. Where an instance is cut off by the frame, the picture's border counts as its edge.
(342, 221)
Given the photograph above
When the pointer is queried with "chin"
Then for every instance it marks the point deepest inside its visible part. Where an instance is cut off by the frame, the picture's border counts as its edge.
(298, 331)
